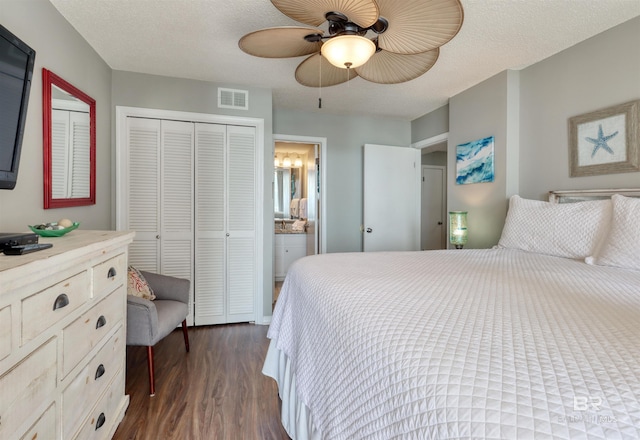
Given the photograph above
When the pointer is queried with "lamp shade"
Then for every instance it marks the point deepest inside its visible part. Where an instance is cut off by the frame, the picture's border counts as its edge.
(286, 162)
(458, 228)
(276, 161)
(348, 51)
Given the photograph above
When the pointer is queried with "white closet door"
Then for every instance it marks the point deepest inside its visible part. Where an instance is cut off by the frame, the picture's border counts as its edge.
(176, 202)
(143, 210)
(210, 261)
(241, 242)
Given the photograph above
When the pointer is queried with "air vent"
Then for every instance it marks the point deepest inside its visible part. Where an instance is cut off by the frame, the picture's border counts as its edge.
(230, 98)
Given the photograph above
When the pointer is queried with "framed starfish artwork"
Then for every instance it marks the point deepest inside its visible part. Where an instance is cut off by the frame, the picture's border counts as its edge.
(605, 141)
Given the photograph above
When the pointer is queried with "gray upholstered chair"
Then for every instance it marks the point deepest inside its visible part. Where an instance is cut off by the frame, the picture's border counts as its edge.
(150, 321)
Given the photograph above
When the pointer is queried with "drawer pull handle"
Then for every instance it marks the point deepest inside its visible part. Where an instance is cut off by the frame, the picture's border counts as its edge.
(61, 301)
(102, 321)
(111, 273)
(101, 420)
(100, 371)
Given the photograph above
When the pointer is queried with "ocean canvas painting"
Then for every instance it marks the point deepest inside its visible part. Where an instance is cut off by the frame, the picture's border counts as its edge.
(474, 161)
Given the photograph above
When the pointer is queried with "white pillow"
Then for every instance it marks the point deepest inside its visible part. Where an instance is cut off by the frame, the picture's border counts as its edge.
(569, 230)
(622, 246)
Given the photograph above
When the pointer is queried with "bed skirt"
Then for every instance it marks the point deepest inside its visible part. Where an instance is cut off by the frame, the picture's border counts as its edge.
(296, 417)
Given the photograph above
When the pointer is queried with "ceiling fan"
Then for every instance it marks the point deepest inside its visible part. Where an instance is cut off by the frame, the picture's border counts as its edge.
(382, 41)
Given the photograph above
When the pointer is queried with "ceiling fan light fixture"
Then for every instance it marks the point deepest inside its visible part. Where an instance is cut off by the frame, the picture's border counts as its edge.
(348, 51)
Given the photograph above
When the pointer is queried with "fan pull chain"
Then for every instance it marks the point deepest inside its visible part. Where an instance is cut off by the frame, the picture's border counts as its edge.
(320, 85)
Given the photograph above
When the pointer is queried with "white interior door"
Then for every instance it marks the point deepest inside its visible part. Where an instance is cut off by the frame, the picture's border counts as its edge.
(241, 223)
(210, 243)
(433, 234)
(391, 198)
(142, 212)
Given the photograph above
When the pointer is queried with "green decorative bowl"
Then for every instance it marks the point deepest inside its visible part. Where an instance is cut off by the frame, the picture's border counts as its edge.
(54, 232)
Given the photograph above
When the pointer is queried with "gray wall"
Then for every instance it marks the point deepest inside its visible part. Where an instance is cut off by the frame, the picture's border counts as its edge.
(430, 124)
(159, 92)
(60, 49)
(346, 135)
(438, 158)
(477, 113)
(595, 74)
(527, 111)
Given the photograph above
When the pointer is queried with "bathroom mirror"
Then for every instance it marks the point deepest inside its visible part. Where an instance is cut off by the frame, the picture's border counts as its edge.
(69, 131)
(287, 186)
(282, 194)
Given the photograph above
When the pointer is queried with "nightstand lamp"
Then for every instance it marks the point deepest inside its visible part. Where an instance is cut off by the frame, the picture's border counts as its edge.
(458, 228)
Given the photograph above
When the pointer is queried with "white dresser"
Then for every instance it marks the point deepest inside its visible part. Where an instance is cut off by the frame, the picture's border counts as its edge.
(62, 338)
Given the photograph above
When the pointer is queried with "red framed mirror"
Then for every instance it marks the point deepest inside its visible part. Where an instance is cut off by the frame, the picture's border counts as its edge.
(69, 132)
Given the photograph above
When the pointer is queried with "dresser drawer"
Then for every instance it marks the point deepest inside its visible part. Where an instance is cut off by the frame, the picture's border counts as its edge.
(80, 395)
(45, 427)
(25, 387)
(42, 310)
(108, 275)
(5, 332)
(86, 332)
(103, 415)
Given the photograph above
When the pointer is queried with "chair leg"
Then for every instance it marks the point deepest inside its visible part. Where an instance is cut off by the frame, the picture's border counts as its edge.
(152, 379)
(186, 335)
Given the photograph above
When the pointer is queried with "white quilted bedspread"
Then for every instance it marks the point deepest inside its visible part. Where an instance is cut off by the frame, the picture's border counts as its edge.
(498, 344)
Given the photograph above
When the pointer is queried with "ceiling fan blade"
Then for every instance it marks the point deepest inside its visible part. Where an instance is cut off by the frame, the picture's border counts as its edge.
(419, 25)
(280, 42)
(392, 68)
(316, 71)
(364, 13)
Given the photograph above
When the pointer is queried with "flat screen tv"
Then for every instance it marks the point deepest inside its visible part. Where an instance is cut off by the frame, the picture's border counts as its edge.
(16, 69)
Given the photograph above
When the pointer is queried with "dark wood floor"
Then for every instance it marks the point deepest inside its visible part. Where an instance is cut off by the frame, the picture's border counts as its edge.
(217, 391)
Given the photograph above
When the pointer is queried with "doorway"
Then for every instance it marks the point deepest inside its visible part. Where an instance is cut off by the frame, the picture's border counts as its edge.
(433, 213)
(298, 202)
(434, 156)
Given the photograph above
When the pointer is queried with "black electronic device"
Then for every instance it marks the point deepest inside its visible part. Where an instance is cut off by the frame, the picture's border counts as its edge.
(11, 239)
(26, 248)
(16, 69)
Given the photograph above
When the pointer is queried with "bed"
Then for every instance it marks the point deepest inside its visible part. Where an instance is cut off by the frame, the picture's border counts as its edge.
(535, 338)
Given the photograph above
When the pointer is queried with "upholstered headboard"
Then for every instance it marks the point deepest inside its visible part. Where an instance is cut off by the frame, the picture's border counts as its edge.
(589, 194)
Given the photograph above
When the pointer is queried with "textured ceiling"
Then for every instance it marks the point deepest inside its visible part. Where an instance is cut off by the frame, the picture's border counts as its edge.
(198, 39)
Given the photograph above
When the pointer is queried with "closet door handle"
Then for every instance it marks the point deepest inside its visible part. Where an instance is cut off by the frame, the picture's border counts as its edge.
(100, 371)
(61, 301)
(102, 321)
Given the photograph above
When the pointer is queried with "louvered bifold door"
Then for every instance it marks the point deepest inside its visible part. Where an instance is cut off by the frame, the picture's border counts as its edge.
(241, 223)
(143, 136)
(176, 202)
(210, 237)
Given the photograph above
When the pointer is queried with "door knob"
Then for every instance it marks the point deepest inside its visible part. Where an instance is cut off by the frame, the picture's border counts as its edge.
(439, 223)
(369, 230)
